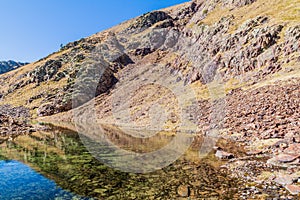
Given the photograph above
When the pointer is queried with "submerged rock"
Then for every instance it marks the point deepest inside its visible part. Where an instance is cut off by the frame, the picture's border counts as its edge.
(183, 191)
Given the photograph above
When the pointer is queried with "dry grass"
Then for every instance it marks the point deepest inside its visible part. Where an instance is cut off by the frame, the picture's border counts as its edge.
(20, 97)
(280, 11)
(282, 76)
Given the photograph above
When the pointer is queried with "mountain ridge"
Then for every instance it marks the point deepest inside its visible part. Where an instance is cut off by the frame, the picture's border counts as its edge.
(6, 66)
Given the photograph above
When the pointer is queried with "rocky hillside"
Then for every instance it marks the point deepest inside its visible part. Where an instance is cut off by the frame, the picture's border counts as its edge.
(230, 65)
(6, 66)
(194, 41)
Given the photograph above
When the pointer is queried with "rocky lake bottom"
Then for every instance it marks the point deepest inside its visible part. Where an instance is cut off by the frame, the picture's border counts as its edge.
(54, 162)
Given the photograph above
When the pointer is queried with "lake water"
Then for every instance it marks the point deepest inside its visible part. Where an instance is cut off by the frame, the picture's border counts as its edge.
(19, 181)
(54, 164)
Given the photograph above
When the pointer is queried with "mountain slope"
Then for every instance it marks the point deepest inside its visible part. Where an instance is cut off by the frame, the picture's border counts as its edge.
(252, 47)
(225, 66)
(6, 66)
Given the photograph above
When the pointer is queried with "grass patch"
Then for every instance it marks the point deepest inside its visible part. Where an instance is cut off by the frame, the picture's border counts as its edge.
(279, 11)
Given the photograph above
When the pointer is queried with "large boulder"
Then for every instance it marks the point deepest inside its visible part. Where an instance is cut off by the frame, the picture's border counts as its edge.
(46, 109)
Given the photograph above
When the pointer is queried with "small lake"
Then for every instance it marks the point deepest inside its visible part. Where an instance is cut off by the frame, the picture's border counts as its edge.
(55, 164)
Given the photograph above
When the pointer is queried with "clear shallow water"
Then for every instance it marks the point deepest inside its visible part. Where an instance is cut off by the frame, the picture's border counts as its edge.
(19, 181)
(60, 159)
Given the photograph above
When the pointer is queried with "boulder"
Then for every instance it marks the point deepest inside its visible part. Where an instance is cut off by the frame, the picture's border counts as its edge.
(46, 109)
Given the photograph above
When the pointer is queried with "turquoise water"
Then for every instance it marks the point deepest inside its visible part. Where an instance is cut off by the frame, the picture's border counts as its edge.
(19, 181)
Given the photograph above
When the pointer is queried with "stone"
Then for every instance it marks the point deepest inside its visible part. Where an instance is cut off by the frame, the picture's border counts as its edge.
(286, 158)
(293, 189)
(283, 179)
(293, 149)
(183, 191)
(224, 155)
(254, 152)
(46, 109)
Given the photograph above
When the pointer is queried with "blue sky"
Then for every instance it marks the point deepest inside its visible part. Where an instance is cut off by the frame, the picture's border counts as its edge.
(32, 29)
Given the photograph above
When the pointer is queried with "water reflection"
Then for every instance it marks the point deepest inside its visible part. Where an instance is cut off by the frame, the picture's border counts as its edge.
(59, 155)
(121, 150)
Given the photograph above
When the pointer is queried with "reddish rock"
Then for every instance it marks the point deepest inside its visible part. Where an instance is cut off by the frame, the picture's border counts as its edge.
(293, 149)
(254, 152)
(286, 158)
(293, 189)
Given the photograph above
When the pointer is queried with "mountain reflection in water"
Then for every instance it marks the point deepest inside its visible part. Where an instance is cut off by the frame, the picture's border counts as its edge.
(58, 154)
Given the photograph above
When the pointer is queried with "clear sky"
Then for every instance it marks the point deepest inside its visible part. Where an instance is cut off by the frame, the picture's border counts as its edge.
(32, 29)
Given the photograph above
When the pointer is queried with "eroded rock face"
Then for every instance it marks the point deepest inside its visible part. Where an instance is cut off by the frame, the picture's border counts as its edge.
(13, 122)
(238, 3)
(248, 48)
(149, 19)
(292, 43)
(45, 72)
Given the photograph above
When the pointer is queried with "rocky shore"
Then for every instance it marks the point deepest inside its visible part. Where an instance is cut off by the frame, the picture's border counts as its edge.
(266, 122)
(14, 122)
